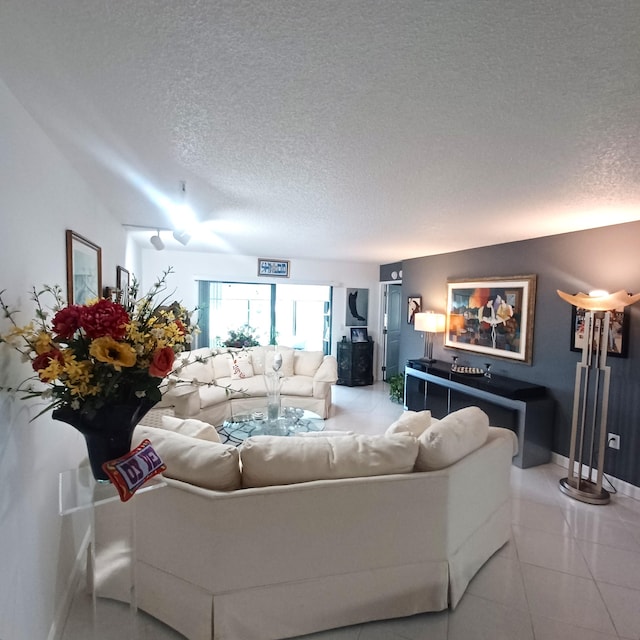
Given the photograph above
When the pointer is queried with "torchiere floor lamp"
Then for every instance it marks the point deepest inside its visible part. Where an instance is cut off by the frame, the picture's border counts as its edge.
(591, 397)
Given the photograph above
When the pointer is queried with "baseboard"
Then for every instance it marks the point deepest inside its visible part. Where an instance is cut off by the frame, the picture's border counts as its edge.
(622, 487)
(62, 612)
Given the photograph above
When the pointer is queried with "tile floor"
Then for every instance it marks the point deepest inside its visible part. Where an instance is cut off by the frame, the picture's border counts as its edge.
(571, 571)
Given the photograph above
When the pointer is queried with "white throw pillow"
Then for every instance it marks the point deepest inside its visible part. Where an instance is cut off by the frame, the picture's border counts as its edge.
(273, 460)
(241, 366)
(413, 422)
(190, 427)
(306, 363)
(286, 370)
(210, 465)
(452, 438)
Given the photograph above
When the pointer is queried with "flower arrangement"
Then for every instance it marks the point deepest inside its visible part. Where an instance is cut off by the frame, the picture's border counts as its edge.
(86, 357)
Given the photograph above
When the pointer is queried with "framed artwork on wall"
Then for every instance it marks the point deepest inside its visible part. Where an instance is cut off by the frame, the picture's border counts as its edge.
(492, 316)
(618, 339)
(274, 268)
(123, 282)
(84, 269)
(357, 308)
(414, 305)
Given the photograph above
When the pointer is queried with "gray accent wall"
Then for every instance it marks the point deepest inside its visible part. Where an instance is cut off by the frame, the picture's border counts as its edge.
(606, 258)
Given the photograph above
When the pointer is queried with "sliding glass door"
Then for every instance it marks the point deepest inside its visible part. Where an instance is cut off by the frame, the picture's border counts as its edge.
(292, 315)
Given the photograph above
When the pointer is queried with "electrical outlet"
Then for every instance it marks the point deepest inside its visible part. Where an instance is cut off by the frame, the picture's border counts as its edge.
(614, 440)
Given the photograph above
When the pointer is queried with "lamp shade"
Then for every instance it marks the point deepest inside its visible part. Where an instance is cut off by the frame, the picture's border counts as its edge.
(430, 322)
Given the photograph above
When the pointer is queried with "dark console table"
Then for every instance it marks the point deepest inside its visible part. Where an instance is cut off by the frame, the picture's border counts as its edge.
(523, 407)
(355, 363)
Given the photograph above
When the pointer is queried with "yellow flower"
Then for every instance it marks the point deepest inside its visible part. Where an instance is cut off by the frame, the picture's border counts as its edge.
(43, 343)
(110, 351)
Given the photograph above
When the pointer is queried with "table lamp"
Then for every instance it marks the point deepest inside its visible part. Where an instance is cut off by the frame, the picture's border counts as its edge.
(430, 323)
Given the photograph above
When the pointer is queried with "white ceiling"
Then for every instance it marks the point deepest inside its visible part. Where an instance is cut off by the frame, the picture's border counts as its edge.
(367, 130)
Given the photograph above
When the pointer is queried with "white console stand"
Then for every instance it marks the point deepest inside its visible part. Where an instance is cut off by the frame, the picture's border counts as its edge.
(78, 490)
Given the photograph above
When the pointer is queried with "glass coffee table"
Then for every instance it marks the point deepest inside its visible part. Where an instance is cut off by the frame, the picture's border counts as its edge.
(292, 421)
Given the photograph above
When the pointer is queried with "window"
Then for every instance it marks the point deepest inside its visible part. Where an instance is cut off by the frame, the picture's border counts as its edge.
(293, 315)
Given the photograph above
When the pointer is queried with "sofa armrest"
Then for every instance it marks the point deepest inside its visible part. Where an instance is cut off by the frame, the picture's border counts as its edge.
(185, 400)
(327, 371)
(326, 375)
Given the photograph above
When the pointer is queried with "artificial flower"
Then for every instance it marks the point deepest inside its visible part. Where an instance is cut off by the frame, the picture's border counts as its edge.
(101, 353)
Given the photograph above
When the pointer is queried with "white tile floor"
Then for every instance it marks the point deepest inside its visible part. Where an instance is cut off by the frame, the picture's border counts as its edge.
(571, 571)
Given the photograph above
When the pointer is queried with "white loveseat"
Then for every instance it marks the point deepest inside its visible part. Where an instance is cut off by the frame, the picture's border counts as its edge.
(306, 382)
(277, 561)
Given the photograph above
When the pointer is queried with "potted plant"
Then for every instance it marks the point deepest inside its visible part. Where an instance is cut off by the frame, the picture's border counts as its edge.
(396, 388)
(242, 337)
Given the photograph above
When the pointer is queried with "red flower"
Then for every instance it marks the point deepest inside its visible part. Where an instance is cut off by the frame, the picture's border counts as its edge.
(67, 321)
(104, 318)
(162, 362)
(44, 360)
(181, 328)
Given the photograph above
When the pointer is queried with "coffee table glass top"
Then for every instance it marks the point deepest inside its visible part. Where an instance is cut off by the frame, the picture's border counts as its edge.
(291, 422)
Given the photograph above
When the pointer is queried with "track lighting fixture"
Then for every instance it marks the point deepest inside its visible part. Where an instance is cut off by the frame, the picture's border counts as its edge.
(182, 237)
(156, 241)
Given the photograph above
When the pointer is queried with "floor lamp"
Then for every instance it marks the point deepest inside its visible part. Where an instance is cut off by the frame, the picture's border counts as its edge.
(431, 323)
(591, 397)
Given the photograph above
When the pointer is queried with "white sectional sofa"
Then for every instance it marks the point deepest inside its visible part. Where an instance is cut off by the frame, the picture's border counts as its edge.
(306, 382)
(311, 533)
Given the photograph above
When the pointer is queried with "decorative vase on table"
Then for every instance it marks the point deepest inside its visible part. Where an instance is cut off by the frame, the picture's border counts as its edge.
(107, 432)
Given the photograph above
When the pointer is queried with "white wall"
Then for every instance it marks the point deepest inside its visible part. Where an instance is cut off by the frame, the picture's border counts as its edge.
(40, 196)
(191, 267)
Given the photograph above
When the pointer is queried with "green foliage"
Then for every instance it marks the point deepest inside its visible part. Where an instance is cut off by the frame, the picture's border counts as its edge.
(396, 388)
(242, 337)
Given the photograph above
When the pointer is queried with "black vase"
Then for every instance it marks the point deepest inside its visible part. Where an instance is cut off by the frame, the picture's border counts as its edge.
(107, 432)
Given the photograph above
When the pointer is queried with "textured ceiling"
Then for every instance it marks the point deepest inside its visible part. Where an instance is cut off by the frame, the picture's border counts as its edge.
(353, 129)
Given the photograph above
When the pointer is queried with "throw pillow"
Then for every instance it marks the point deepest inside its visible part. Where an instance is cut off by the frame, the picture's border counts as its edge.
(286, 370)
(306, 363)
(241, 366)
(190, 427)
(272, 460)
(413, 422)
(452, 438)
(210, 465)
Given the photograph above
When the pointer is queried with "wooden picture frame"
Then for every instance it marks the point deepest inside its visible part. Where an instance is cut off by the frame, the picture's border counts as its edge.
(414, 305)
(123, 282)
(618, 342)
(84, 269)
(492, 316)
(273, 268)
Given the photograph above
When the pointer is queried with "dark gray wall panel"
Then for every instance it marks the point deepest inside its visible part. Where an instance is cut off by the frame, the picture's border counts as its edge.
(605, 258)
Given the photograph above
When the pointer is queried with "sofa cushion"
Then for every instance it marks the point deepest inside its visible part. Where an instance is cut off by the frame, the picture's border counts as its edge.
(413, 422)
(287, 361)
(187, 366)
(448, 440)
(297, 386)
(273, 460)
(221, 364)
(190, 427)
(306, 363)
(205, 464)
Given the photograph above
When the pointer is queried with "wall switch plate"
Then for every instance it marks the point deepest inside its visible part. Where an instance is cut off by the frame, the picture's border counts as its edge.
(614, 440)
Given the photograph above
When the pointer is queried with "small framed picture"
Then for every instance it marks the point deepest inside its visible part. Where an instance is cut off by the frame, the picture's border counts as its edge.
(359, 334)
(414, 305)
(618, 338)
(123, 282)
(273, 268)
(84, 269)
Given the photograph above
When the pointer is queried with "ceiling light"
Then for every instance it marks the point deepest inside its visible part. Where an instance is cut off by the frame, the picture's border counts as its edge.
(156, 241)
(182, 237)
